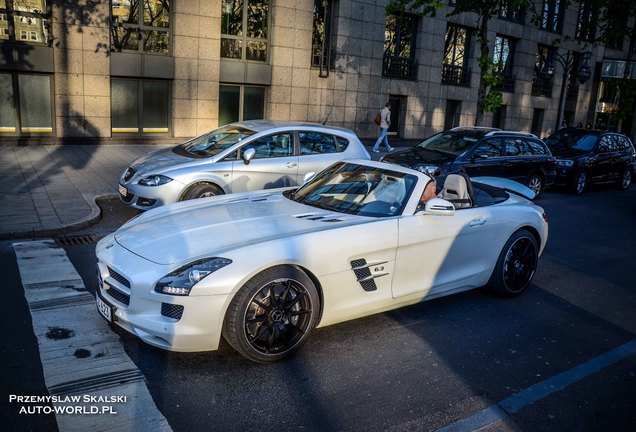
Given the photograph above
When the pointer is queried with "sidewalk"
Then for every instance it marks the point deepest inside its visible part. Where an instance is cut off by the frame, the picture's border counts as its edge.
(47, 189)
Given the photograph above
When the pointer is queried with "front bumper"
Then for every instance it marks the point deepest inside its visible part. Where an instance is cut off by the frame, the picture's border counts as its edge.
(174, 323)
(149, 197)
(563, 176)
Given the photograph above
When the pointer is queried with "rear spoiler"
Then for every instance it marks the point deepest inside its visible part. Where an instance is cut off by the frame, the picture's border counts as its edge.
(507, 185)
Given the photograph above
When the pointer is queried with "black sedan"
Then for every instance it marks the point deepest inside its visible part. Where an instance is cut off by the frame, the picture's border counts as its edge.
(479, 151)
(592, 156)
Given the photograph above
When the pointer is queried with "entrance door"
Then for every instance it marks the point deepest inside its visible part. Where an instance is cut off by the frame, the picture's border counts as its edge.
(398, 103)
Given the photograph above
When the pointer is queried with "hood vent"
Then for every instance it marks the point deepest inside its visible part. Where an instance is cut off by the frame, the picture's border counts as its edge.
(320, 217)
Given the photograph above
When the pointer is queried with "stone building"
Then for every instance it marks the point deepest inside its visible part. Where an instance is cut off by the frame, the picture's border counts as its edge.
(127, 71)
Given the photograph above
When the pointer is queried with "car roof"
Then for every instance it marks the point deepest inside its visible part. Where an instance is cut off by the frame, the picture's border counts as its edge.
(263, 125)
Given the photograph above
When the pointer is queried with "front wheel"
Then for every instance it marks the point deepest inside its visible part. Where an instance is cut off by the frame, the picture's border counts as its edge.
(272, 315)
(202, 190)
(579, 181)
(535, 183)
(516, 265)
(625, 179)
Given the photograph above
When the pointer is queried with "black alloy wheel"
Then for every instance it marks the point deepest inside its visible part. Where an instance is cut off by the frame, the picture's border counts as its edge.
(535, 183)
(272, 314)
(516, 265)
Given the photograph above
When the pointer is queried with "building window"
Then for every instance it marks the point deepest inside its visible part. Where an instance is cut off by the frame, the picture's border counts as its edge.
(552, 16)
(244, 25)
(240, 102)
(453, 112)
(456, 49)
(399, 47)
(140, 106)
(23, 18)
(541, 85)
(510, 13)
(142, 26)
(586, 22)
(503, 56)
(27, 108)
(322, 38)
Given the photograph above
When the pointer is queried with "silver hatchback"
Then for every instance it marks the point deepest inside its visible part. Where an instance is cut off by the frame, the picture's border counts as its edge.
(239, 157)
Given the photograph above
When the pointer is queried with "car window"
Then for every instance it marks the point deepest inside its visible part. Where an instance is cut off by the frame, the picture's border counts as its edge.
(450, 142)
(216, 141)
(575, 139)
(606, 144)
(271, 146)
(316, 143)
(513, 147)
(488, 148)
(343, 143)
(536, 148)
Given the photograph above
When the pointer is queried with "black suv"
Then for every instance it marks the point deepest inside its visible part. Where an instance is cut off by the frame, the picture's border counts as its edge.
(592, 156)
(479, 151)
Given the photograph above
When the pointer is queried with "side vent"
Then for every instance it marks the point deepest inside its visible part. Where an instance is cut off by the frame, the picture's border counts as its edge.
(363, 274)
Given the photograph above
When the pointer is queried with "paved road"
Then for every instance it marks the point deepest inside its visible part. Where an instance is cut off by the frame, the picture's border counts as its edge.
(558, 358)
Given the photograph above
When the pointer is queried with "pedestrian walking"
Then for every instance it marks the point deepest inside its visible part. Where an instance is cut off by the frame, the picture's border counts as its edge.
(385, 121)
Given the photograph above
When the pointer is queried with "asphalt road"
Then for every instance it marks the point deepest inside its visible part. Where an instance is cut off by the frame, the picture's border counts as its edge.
(419, 368)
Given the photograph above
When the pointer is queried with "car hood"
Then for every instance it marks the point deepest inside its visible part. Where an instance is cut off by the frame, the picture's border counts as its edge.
(416, 156)
(567, 152)
(182, 232)
(159, 160)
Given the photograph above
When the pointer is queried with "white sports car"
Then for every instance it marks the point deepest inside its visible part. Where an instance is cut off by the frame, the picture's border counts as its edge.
(263, 269)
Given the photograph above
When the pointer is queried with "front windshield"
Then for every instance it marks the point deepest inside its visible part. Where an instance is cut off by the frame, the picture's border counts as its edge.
(450, 142)
(359, 190)
(578, 140)
(215, 142)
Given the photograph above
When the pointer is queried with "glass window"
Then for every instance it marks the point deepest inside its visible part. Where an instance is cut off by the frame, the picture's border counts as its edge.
(343, 143)
(322, 38)
(278, 145)
(238, 103)
(399, 46)
(489, 148)
(513, 147)
(27, 106)
(316, 143)
(511, 13)
(456, 46)
(140, 106)
(535, 148)
(140, 26)
(586, 21)
(552, 17)
(31, 20)
(244, 29)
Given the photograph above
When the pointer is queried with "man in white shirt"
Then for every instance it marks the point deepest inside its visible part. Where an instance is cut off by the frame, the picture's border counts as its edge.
(385, 121)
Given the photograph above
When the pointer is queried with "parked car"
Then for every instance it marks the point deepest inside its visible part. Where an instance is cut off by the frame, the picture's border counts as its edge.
(480, 151)
(592, 156)
(263, 269)
(238, 157)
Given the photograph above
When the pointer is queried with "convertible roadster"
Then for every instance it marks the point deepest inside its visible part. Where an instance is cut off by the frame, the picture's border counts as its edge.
(263, 269)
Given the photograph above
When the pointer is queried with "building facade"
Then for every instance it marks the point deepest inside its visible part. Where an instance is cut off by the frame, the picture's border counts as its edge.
(128, 71)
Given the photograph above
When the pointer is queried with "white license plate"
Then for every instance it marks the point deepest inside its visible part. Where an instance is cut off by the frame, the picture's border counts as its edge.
(123, 190)
(104, 309)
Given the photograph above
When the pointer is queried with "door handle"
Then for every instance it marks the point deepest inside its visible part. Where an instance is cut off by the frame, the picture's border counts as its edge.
(291, 164)
(478, 221)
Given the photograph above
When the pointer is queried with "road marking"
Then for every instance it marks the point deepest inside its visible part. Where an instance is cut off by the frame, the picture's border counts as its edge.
(81, 356)
(502, 410)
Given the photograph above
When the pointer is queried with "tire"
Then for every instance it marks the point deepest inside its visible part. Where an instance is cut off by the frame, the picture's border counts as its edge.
(272, 315)
(535, 182)
(625, 179)
(516, 265)
(578, 183)
(202, 190)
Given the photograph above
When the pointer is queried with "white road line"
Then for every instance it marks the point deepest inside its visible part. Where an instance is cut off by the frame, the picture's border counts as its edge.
(502, 410)
(81, 356)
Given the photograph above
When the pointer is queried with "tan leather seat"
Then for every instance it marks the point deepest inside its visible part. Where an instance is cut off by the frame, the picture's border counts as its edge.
(457, 190)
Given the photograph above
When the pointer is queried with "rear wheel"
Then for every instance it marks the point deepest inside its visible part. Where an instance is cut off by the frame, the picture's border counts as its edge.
(578, 183)
(625, 179)
(535, 183)
(202, 190)
(272, 315)
(516, 265)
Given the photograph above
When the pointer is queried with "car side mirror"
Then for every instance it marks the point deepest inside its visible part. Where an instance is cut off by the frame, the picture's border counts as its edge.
(309, 177)
(248, 155)
(438, 207)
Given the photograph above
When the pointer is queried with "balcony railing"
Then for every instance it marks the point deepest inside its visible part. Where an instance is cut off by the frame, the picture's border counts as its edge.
(507, 84)
(399, 67)
(541, 87)
(455, 75)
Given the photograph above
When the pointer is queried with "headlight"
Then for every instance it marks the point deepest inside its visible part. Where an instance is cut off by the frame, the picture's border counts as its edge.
(564, 163)
(428, 169)
(181, 281)
(155, 180)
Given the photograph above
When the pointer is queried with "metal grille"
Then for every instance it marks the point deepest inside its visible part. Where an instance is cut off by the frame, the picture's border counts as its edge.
(171, 310)
(75, 240)
(361, 273)
(455, 75)
(126, 198)
(130, 172)
(118, 295)
(119, 278)
(399, 67)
